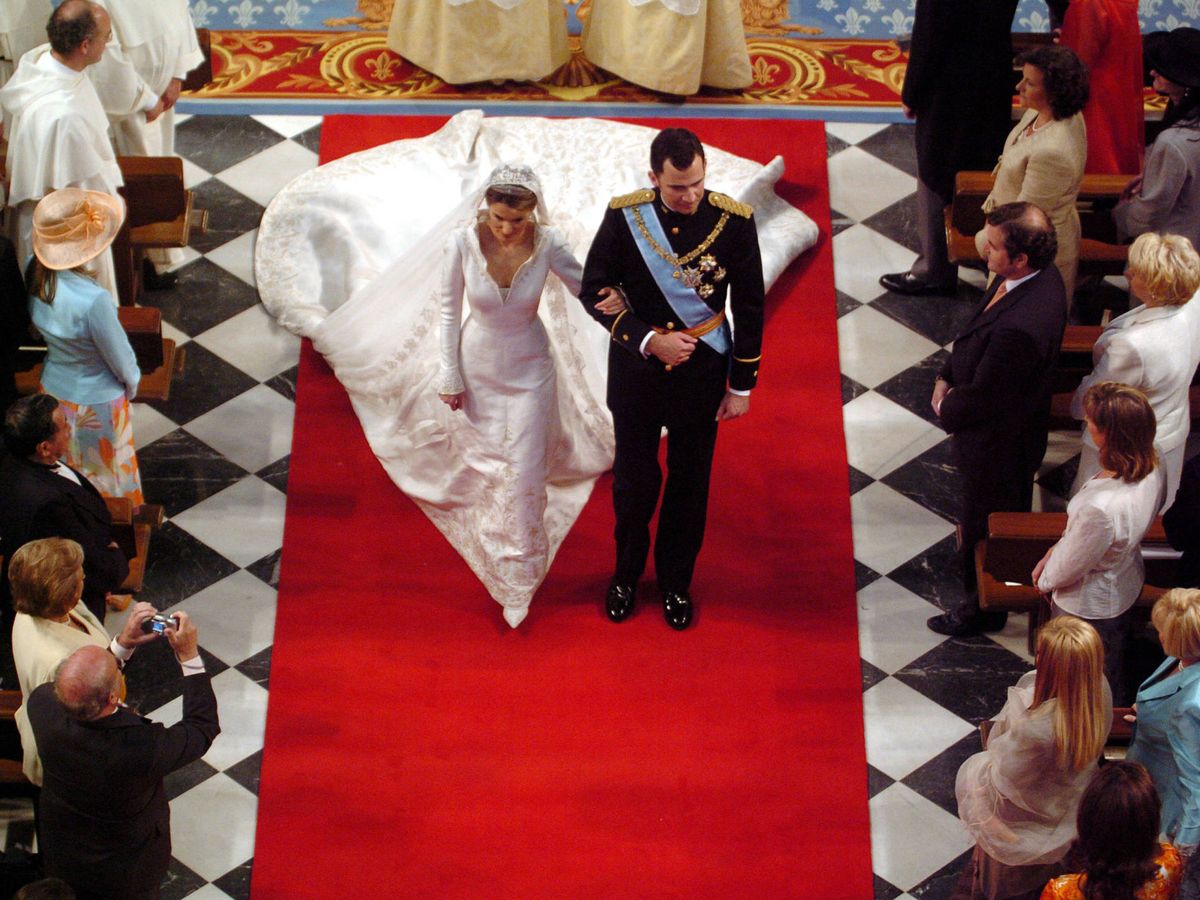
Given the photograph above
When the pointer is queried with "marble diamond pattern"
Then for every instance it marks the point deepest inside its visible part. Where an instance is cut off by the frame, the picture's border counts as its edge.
(216, 456)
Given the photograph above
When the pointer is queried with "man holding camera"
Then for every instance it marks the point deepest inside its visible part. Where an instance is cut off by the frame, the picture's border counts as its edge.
(104, 820)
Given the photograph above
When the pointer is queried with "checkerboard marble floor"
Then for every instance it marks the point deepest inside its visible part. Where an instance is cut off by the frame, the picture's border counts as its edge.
(217, 454)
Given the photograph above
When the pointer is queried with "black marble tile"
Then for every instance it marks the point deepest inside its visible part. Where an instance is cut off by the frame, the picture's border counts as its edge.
(871, 675)
(257, 668)
(863, 575)
(236, 883)
(217, 142)
(833, 144)
(310, 139)
(839, 222)
(939, 318)
(846, 303)
(935, 574)
(246, 773)
(153, 675)
(230, 214)
(183, 780)
(932, 480)
(266, 569)
(877, 781)
(285, 383)
(935, 780)
(179, 565)
(207, 382)
(276, 474)
(941, 884)
(968, 676)
(885, 890)
(179, 470)
(894, 145)
(1058, 480)
(913, 388)
(180, 880)
(852, 389)
(898, 222)
(206, 295)
(858, 480)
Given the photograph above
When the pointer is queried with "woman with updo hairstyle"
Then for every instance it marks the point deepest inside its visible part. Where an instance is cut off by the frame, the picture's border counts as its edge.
(46, 577)
(1166, 735)
(1155, 347)
(1020, 796)
(1045, 154)
(1095, 571)
(1118, 842)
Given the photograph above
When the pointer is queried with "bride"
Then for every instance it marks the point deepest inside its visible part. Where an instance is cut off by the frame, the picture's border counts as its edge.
(497, 369)
(353, 256)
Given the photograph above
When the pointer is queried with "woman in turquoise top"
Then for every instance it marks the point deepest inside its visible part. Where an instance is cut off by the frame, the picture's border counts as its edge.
(91, 368)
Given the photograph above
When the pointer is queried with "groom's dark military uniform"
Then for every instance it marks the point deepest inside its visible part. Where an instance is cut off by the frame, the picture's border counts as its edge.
(714, 251)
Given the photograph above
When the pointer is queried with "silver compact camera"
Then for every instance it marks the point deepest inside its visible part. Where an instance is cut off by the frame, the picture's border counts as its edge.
(158, 624)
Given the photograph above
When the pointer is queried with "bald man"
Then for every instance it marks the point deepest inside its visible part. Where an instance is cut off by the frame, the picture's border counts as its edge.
(105, 827)
(55, 125)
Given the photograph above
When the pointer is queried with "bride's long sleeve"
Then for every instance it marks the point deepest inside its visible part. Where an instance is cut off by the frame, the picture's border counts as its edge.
(563, 262)
(450, 300)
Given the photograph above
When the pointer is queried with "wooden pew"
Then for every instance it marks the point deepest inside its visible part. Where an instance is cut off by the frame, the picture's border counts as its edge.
(131, 531)
(1017, 541)
(1099, 252)
(13, 782)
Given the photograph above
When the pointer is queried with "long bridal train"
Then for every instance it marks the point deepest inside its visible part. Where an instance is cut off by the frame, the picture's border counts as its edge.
(349, 255)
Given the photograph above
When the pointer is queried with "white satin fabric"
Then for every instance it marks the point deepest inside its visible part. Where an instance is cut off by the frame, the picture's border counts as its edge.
(679, 7)
(503, 4)
(352, 255)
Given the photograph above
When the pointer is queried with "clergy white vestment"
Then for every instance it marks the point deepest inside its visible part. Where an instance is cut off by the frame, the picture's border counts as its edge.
(22, 27)
(153, 41)
(57, 137)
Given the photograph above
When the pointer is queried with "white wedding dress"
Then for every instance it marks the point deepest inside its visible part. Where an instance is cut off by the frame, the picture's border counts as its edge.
(353, 256)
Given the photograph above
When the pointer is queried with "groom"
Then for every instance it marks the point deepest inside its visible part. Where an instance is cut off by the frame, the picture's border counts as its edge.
(677, 252)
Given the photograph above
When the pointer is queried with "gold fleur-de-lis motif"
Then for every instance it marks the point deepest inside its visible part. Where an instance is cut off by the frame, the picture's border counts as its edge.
(382, 66)
(763, 71)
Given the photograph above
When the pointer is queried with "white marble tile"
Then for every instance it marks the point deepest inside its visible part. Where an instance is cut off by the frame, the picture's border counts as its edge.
(911, 838)
(243, 523)
(861, 185)
(874, 347)
(974, 277)
(1060, 447)
(236, 616)
(853, 132)
(209, 892)
(262, 176)
(288, 126)
(254, 342)
(253, 429)
(198, 842)
(891, 625)
(882, 435)
(1014, 637)
(242, 706)
(148, 424)
(904, 729)
(860, 256)
(193, 174)
(173, 333)
(890, 529)
(237, 256)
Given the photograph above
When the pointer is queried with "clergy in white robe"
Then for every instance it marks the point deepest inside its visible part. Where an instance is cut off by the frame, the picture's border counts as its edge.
(22, 27)
(461, 41)
(672, 46)
(57, 131)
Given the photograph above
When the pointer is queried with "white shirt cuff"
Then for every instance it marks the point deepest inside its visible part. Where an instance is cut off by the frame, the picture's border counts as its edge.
(194, 666)
(121, 653)
(645, 341)
(150, 103)
(738, 393)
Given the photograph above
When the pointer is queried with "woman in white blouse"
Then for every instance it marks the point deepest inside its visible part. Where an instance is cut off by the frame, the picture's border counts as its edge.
(1095, 571)
(1155, 347)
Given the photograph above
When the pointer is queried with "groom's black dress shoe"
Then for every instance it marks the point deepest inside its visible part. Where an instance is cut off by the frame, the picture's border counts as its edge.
(956, 624)
(908, 283)
(677, 609)
(618, 602)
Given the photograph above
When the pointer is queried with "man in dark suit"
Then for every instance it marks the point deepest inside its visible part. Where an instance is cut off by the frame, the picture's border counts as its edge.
(14, 319)
(40, 496)
(993, 394)
(676, 252)
(959, 88)
(104, 823)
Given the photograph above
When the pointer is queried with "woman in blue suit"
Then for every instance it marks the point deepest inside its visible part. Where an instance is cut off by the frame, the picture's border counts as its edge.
(1167, 731)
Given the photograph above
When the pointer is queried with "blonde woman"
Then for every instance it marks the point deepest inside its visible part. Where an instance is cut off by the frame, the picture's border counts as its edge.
(1166, 737)
(1155, 347)
(1019, 798)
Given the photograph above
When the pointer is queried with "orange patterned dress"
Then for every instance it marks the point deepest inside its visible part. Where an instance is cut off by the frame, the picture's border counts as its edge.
(1163, 886)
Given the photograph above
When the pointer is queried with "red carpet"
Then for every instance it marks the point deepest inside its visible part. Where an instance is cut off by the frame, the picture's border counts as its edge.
(416, 747)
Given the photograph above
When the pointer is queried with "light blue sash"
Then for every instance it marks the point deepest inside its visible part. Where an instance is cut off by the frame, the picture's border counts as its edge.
(685, 302)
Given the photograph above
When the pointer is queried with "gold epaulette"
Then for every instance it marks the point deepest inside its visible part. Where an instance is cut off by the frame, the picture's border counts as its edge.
(637, 198)
(727, 203)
